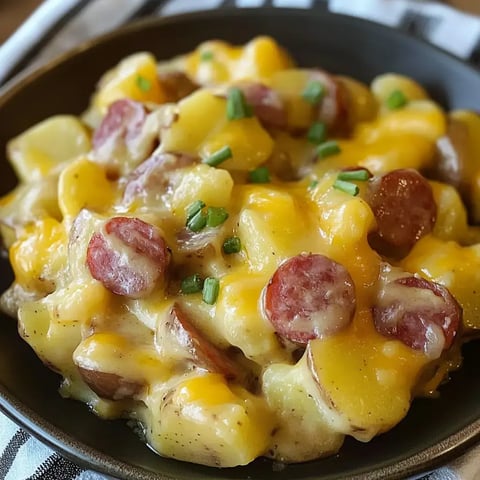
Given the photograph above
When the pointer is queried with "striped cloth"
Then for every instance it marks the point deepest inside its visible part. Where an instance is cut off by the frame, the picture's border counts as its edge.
(58, 25)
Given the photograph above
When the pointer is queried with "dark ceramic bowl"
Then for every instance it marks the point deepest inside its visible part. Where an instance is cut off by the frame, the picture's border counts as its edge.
(434, 432)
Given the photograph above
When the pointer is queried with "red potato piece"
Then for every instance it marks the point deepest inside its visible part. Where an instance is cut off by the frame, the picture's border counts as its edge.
(404, 208)
(267, 104)
(422, 314)
(130, 258)
(309, 296)
(333, 109)
(196, 347)
(151, 178)
(176, 85)
(110, 385)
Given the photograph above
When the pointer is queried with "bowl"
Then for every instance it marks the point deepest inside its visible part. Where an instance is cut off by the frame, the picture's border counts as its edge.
(434, 431)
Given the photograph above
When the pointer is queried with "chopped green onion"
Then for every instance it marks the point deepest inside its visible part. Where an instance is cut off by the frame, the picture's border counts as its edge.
(144, 84)
(396, 99)
(314, 92)
(259, 175)
(346, 187)
(206, 56)
(194, 208)
(232, 245)
(216, 216)
(360, 175)
(313, 184)
(197, 222)
(192, 284)
(326, 149)
(237, 106)
(317, 133)
(211, 287)
(216, 158)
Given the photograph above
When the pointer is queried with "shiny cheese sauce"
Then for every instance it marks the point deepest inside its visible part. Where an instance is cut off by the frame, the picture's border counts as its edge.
(342, 298)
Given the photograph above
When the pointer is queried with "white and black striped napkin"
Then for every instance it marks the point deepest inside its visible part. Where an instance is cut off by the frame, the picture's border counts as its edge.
(58, 25)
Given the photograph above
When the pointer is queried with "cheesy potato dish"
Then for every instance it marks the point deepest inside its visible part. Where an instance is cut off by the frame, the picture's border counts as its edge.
(244, 257)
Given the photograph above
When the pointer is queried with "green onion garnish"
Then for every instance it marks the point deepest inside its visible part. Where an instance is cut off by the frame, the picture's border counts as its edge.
(194, 208)
(237, 106)
(216, 158)
(259, 175)
(326, 149)
(313, 184)
(317, 133)
(211, 287)
(216, 216)
(346, 187)
(192, 284)
(232, 245)
(197, 222)
(396, 99)
(360, 175)
(206, 56)
(313, 92)
(144, 84)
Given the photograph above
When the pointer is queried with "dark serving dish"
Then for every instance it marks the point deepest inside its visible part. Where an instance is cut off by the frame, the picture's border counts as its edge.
(434, 432)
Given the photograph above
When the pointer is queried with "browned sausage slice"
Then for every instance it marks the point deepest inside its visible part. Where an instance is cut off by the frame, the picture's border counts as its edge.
(422, 314)
(129, 257)
(110, 385)
(405, 209)
(267, 104)
(308, 297)
(196, 347)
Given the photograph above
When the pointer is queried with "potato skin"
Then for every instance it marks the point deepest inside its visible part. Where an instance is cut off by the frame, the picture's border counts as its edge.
(110, 385)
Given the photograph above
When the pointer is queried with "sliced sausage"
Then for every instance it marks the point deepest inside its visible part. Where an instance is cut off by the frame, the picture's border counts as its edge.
(268, 106)
(110, 385)
(123, 122)
(194, 346)
(405, 209)
(150, 179)
(309, 296)
(176, 85)
(333, 108)
(129, 257)
(422, 314)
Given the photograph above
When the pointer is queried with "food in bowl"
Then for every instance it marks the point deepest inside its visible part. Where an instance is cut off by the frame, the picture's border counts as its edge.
(246, 257)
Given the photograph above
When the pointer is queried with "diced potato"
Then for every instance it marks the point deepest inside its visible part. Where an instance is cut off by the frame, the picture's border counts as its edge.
(362, 105)
(36, 152)
(134, 77)
(202, 182)
(303, 432)
(290, 84)
(39, 256)
(393, 151)
(239, 320)
(419, 117)
(30, 202)
(84, 184)
(199, 115)
(365, 380)
(384, 85)
(451, 223)
(204, 420)
(455, 267)
(249, 142)
(273, 227)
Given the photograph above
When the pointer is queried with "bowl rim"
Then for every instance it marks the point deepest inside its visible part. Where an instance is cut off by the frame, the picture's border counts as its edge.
(87, 457)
